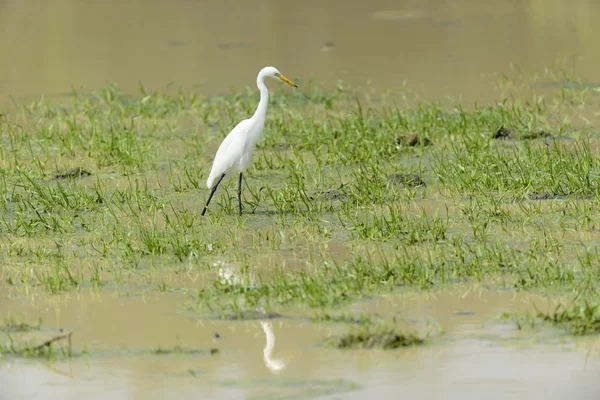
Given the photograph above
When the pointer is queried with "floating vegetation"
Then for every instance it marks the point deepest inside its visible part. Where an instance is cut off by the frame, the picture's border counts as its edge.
(380, 336)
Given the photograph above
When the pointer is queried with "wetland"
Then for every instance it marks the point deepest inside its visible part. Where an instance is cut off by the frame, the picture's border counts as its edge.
(390, 244)
(102, 237)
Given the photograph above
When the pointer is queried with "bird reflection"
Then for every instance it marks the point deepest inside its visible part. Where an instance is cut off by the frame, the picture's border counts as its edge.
(274, 365)
(229, 276)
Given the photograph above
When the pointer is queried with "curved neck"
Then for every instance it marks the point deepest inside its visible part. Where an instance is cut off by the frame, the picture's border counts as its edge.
(261, 110)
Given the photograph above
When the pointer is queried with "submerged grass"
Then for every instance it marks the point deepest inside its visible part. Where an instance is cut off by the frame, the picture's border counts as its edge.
(17, 342)
(579, 319)
(30, 350)
(180, 350)
(12, 324)
(369, 336)
(106, 190)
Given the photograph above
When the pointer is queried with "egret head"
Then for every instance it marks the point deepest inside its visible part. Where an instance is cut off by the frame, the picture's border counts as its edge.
(275, 74)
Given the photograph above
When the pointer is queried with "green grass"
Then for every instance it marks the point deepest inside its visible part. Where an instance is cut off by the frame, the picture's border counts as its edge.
(18, 341)
(579, 319)
(342, 318)
(330, 216)
(29, 350)
(372, 336)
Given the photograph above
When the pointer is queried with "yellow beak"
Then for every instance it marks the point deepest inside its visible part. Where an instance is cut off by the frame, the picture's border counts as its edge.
(286, 80)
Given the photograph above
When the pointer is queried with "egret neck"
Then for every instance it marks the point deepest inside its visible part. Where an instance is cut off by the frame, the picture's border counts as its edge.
(261, 109)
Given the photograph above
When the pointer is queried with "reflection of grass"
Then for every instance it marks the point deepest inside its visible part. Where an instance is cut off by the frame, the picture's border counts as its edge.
(326, 224)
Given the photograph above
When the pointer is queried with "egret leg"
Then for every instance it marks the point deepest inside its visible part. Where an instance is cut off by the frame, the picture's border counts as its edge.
(212, 192)
(240, 193)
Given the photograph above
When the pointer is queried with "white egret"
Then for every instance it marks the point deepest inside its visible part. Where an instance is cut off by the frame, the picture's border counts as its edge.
(235, 152)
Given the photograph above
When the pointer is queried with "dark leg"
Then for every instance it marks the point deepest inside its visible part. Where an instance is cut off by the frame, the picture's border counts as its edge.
(212, 192)
(240, 193)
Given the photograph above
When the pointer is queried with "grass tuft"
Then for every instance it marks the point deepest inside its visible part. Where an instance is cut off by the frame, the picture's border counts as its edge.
(579, 319)
(379, 336)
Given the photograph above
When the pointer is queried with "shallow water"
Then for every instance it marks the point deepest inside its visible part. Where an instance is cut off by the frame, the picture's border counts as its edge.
(478, 354)
(441, 47)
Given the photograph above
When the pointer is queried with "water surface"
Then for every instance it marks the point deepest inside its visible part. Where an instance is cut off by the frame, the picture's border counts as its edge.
(441, 47)
(478, 355)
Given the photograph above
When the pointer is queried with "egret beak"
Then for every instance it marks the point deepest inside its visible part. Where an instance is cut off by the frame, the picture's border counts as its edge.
(286, 80)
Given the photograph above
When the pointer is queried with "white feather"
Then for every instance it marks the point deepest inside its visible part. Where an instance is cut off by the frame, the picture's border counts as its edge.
(230, 153)
(235, 152)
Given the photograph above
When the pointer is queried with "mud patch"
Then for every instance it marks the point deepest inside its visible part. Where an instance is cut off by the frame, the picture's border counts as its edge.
(76, 172)
(413, 140)
(409, 180)
(547, 196)
(536, 135)
(504, 134)
(329, 194)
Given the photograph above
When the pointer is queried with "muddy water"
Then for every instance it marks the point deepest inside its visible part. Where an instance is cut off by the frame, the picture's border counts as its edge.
(478, 355)
(441, 47)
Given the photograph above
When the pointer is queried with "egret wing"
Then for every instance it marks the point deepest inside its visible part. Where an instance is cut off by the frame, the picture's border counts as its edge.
(230, 151)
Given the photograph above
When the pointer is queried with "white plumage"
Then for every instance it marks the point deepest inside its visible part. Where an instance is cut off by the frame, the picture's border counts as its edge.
(235, 152)
(231, 152)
